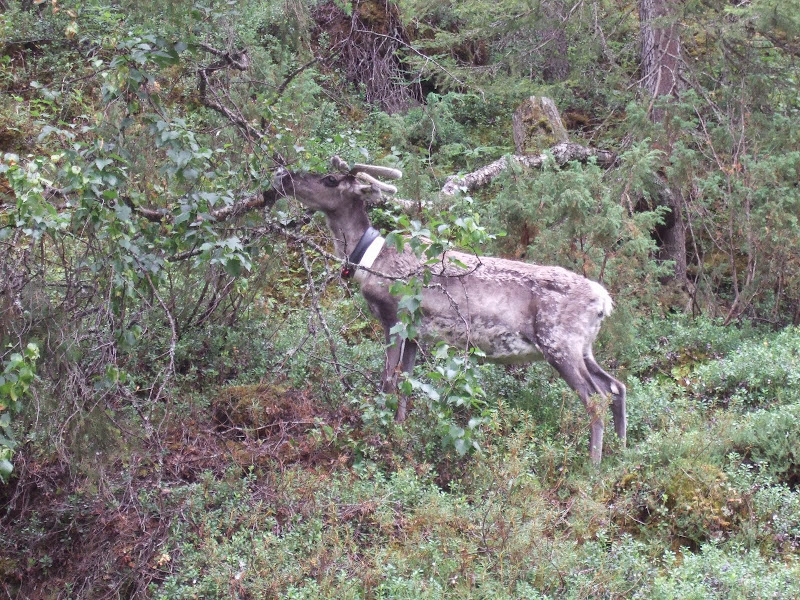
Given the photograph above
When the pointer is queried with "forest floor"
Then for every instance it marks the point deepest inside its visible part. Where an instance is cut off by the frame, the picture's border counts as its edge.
(269, 490)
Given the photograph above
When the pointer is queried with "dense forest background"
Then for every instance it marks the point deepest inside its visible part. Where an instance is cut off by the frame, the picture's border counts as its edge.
(189, 392)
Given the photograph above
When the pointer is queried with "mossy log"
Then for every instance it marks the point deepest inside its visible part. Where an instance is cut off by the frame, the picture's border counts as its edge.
(561, 153)
(539, 133)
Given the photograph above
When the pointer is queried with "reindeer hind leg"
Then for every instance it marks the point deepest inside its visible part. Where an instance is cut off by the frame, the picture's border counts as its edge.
(616, 389)
(575, 373)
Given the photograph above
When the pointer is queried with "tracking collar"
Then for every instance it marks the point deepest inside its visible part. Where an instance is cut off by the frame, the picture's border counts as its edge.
(366, 251)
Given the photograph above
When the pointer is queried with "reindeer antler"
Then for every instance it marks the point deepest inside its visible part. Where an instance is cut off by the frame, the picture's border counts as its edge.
(369, 173)
(384, 187)
(377, 171)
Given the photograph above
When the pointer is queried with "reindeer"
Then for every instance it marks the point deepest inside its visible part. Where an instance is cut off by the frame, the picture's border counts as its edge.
(514, 312)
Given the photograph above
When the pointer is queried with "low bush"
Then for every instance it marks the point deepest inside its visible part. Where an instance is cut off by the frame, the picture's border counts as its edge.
(726, 574)
(768, 439)
(760, 371)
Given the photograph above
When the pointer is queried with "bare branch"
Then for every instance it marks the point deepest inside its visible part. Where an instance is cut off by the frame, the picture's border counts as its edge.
(214, 104)
(169, 371)
(315, 296)
(282, 87)
(265, 198)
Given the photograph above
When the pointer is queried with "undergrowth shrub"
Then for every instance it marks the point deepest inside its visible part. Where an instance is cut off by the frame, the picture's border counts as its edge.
(768, 439)
(679, 341)
(760, 371)
(777, 514)
(690, 502)
(571, 216)
(118, 487)
(653, 405)
(617, 568)
(726, 574)
(534, 388)
(674, 482)
(462, 130)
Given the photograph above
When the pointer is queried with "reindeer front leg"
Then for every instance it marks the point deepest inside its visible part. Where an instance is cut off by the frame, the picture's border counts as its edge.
(400, 358)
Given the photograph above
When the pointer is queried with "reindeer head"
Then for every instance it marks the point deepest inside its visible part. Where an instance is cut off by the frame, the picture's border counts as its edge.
(334, 192)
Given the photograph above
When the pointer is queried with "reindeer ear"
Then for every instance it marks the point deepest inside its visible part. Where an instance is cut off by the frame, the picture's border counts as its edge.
(339, 164)
(369, 193)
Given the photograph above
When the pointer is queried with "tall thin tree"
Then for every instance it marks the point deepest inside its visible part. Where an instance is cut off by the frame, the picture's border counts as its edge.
(661, 61)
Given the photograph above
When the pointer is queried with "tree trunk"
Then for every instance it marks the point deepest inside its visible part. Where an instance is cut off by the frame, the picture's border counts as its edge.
(661, 49)
(661, 62)
(672, 234)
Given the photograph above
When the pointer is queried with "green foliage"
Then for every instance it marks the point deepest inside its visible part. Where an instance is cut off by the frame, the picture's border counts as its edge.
(573, 217)
(653, 405)
(690, 498)
(766, 438)
(672, 347)
(759, 371)
(455, 395)
(460, 130)
(455, 383)
(405, 518)
(15, 381)
(145, 305)
(777, 511)
(717, 573)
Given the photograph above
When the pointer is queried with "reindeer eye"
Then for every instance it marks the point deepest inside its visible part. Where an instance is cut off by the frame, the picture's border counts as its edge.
(330, 181)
